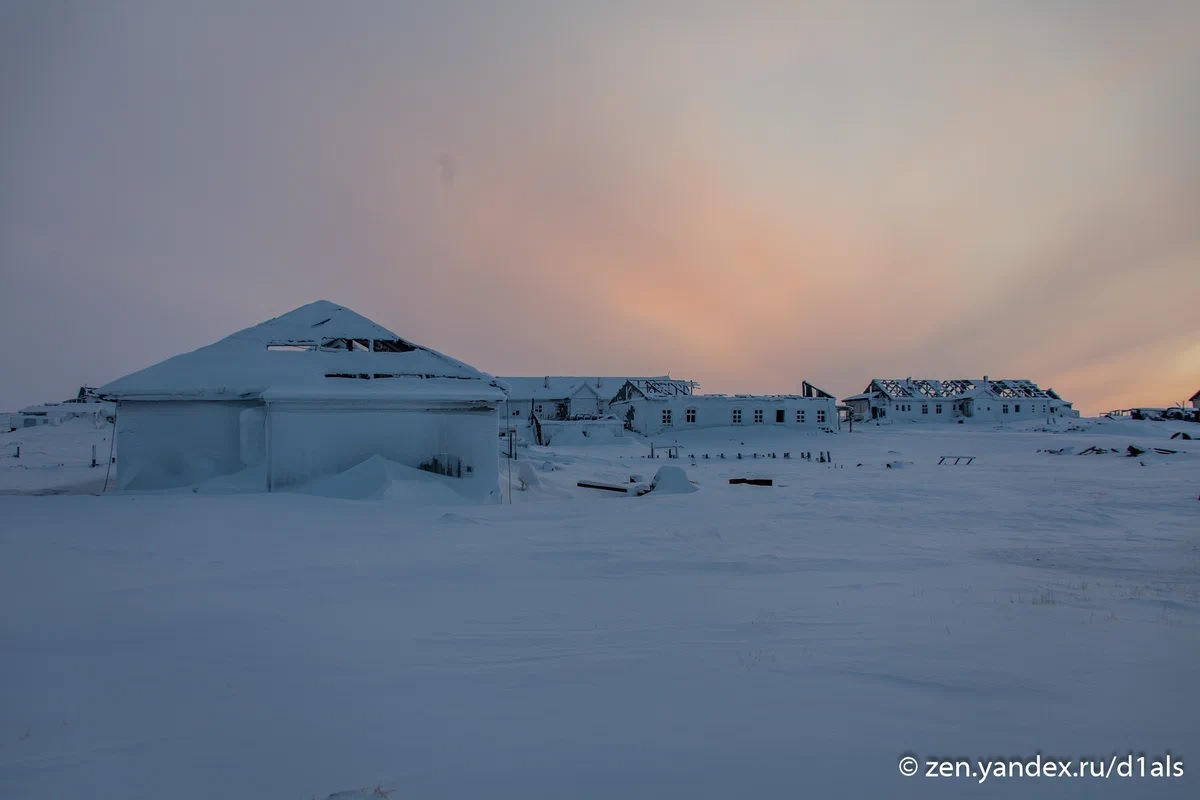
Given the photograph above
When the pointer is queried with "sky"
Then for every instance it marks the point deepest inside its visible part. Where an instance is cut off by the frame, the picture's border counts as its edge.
(743, 194)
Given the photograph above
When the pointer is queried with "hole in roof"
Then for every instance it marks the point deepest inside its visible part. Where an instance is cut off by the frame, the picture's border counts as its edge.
(393, 346)
(344, 343)
(291, 347)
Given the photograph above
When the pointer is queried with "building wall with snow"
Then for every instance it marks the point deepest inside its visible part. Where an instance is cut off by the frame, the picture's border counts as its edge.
(162, 445)
(555, 397)
(581, 432)
(924, 401)
(986, 408)
(302, 396)
(311, 440)
(653, 416)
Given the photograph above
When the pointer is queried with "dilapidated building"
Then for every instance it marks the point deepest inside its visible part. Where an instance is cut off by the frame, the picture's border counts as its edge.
(892, 400)
(302, 396)
(563, 397)
(652, 407)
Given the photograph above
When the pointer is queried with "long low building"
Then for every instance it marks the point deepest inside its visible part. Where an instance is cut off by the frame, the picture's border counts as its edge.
(924, 400)
(563, 397)
(654, 406)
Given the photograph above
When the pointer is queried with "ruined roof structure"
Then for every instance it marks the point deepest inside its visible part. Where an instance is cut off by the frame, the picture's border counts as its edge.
(917, 388)
(318, 348)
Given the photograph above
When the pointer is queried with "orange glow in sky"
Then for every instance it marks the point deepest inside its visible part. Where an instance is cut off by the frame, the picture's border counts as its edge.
(747, 195)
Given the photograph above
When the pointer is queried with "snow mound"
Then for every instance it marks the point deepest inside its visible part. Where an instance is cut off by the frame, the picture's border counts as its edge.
(672, 480)
(527, 476)
(247, 481)
(377, 478)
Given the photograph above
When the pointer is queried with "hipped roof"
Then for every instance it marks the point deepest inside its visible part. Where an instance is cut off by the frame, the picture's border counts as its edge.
(329, 345)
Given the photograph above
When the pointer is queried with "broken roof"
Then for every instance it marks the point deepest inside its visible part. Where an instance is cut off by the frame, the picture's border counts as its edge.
(307, 348)
(654, 388)
(919, 388)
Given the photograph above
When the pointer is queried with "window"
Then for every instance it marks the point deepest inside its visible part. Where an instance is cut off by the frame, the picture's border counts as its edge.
(924, 408)
(820, 415)
(938, 408)
(689, 416)
(737, 416)
(779, 413)
(799, 415)
(758, 416)
(1004, 408)
(538, 409)
(666, 416)
(1017, 408)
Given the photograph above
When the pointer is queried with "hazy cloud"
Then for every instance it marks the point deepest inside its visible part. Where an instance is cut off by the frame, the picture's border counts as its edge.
(745, 196)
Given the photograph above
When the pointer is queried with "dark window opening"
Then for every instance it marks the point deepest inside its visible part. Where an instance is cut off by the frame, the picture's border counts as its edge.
(392, 346)
(361, 345)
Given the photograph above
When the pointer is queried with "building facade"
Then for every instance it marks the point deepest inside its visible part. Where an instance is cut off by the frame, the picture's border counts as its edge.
(655, 407)
(923, 400)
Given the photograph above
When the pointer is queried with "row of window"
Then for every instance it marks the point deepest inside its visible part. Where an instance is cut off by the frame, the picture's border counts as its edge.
(689, 416)
(1004, 409)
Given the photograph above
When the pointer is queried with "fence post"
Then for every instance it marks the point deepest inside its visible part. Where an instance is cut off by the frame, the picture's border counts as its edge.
(93, 456)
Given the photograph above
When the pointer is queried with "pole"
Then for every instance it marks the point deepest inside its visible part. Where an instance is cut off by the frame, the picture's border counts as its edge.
(509, 430)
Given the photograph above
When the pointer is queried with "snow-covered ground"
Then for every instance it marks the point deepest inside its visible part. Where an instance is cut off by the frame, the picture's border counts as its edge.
(791, 641)
(55, 459)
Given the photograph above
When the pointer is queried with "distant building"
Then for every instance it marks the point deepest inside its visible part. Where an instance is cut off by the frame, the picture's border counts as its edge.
(1195, 401)
(305, 395)
(654, 406)
(562, 397)
(84, 405)
(891, 400)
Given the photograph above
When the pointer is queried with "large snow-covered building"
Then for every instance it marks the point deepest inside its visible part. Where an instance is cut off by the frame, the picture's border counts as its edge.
(304, 395)
(563, 397)
(654, 406)
(925, 400)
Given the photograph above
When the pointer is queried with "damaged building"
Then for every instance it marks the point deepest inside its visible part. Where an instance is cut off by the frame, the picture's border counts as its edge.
(563, 397)
(305, 395)
(654, 406)
(891, 400)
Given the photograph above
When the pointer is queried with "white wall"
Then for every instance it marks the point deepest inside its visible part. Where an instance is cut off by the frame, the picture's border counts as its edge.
(308, 441)
(718, 411)
(584, 402)
(582, 432)
(984, 409)
(163, 445)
